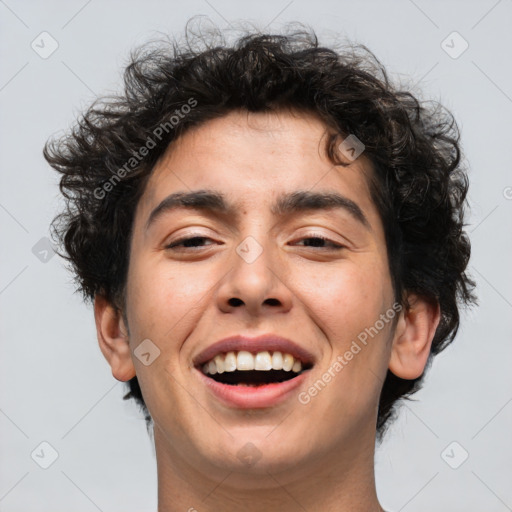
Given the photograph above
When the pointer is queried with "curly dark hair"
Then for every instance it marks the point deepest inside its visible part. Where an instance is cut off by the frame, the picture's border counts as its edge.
(419, 183)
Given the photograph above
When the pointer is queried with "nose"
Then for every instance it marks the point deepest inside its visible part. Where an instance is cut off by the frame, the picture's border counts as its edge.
(257, 282)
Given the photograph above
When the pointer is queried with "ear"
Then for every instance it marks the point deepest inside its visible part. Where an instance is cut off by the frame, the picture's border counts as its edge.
(113, 339)
(413, 337)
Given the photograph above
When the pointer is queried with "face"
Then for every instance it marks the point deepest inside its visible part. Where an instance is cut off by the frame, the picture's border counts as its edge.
(317, 276)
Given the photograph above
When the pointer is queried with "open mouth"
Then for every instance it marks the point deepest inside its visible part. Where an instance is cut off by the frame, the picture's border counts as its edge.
(254, 378)
(245, 369)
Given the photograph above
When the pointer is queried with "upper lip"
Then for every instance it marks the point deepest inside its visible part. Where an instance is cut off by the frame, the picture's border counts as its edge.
(265, 342)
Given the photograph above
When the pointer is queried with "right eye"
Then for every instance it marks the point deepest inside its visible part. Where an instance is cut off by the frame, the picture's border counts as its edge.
(188, 242)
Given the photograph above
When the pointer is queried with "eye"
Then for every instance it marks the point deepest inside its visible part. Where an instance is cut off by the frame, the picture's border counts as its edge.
(319, 240)
(192, 242)
(188, 243)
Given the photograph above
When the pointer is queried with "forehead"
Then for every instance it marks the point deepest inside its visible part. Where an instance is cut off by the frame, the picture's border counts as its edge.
(253, 158)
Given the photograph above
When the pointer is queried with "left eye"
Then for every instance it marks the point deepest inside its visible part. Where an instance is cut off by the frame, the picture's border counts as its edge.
(319, 240)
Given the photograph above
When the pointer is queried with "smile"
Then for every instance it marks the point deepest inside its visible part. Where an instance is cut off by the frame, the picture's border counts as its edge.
(244, 380)
(245, 369)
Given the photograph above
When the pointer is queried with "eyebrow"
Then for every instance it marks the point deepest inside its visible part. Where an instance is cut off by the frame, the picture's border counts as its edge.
(286, 204)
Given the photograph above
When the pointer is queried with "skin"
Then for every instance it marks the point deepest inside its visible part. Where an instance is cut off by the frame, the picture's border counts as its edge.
(314, 456)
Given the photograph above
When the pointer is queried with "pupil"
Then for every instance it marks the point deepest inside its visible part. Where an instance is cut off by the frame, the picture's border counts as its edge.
(315, 241)
(193, 241)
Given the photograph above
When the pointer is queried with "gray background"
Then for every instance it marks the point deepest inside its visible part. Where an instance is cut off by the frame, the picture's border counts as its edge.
(56, 386)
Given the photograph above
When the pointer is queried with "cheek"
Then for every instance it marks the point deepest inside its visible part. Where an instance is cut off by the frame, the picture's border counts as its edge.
(165, 305)
(348, 298)
(160, 296)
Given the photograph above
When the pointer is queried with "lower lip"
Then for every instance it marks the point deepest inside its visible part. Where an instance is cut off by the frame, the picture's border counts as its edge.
(249, 397)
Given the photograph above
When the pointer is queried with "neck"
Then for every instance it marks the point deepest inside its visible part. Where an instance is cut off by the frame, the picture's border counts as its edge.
(333, 482)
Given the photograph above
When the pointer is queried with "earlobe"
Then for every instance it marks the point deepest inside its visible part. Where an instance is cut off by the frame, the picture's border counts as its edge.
(413, 337)
(113, 339)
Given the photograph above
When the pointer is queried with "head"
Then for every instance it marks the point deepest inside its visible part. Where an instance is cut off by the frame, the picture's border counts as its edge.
(253, 143)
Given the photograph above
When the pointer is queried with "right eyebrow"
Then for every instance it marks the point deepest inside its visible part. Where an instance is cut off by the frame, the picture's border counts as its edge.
(209, 200)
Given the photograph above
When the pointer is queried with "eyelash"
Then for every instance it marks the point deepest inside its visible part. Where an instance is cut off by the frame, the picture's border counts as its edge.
(335, 246)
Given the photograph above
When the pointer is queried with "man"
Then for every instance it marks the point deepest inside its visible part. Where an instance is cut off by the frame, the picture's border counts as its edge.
(272, 237)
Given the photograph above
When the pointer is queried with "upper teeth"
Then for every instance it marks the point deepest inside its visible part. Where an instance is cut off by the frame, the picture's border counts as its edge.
(244, 360)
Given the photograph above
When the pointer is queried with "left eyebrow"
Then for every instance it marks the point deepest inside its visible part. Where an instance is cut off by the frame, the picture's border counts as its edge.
(286, 204)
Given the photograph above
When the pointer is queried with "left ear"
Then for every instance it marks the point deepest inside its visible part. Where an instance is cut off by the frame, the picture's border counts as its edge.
(413, 337)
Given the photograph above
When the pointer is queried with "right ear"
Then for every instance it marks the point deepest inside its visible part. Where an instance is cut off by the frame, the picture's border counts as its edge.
(113, 339)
